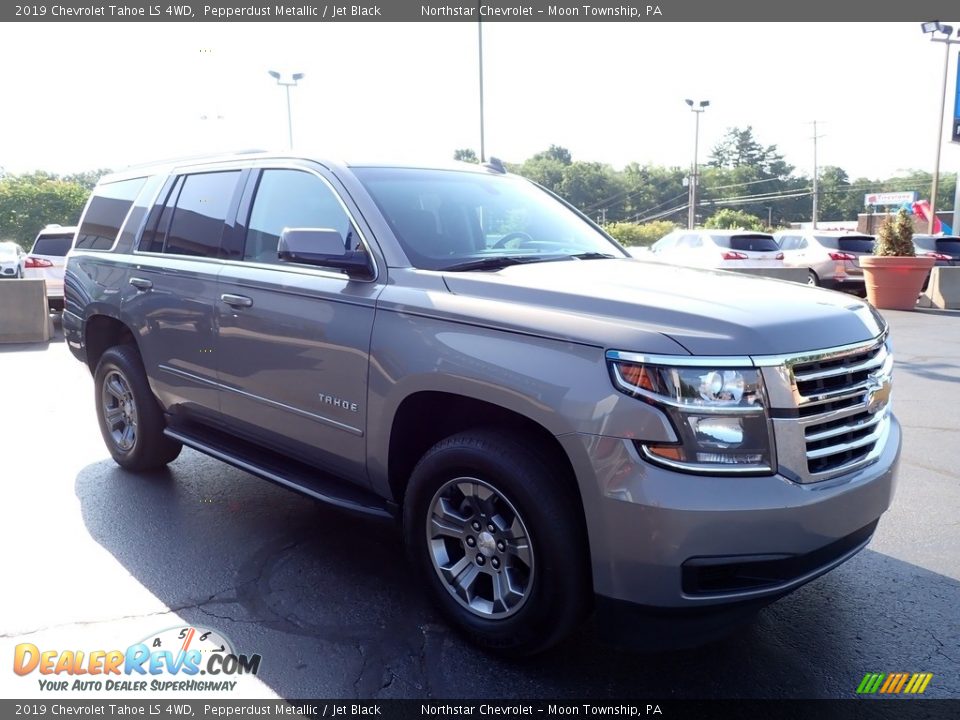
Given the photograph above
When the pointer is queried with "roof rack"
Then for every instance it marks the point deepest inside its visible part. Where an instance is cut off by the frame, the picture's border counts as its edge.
(496, 165)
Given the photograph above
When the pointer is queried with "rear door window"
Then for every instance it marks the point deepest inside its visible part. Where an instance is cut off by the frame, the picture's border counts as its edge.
(105, 214)
(201, 210)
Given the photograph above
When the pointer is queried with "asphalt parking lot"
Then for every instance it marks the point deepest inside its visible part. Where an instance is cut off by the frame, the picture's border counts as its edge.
(96, 558)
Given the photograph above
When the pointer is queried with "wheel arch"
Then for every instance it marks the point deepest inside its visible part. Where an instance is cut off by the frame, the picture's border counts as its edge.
(411, 434)
(101, 332)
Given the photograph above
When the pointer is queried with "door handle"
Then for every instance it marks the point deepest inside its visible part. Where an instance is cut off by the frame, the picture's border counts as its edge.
(237, 301)
(141, 284)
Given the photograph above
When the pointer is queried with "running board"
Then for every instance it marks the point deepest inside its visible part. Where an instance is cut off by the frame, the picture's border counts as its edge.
(279, 469)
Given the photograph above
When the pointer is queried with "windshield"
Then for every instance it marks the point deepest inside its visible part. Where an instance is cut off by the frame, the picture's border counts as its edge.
(862, 244)
(52, 245)
(747, 243)
(446, 218)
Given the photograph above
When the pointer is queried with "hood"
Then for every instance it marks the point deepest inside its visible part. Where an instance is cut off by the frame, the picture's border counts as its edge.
(706, 312)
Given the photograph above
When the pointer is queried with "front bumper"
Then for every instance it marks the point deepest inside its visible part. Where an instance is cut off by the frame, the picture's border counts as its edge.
(668, 540)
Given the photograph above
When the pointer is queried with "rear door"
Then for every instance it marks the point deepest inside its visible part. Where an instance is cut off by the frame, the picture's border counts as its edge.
(294, 339)
(171, 293)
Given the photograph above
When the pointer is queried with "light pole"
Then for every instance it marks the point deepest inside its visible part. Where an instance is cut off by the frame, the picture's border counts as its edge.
(483, 155)
(931, 28)
(295, 77)
(697, 108)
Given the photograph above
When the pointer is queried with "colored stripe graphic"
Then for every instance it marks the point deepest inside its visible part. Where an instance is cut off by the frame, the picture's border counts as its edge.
(918, 683)
(894, 683)
(870, 683)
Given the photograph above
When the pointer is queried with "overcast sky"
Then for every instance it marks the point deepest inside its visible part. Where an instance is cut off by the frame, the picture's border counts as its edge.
(90, 95)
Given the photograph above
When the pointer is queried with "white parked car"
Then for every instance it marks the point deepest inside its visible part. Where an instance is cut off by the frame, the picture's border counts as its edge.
(48, 259)
(12, 259)
(719, 249)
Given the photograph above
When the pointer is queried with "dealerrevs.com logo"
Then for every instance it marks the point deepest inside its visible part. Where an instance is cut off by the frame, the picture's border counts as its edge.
(173, 660)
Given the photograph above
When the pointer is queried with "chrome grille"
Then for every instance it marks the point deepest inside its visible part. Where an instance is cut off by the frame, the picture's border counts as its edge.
(833, 393)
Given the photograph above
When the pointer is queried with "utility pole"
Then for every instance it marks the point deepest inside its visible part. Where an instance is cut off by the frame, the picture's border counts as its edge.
(603, 216)
(816, 177)
(697, 108)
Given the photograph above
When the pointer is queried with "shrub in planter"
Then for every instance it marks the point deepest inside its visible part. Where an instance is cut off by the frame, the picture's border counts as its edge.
(893, 274)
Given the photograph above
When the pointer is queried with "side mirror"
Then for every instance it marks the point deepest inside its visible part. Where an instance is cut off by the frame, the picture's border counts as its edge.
(322, 247)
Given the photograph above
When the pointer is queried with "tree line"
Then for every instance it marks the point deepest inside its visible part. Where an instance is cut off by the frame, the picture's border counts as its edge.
(31, 201)
(743, 182)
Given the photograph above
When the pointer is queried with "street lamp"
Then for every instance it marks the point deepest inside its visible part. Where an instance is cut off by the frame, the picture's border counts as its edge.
(697, 108)
(483, 152)
(931, 29)
(295, 77)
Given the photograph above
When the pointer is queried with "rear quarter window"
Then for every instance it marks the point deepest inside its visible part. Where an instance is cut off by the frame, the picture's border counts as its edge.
(105, 214)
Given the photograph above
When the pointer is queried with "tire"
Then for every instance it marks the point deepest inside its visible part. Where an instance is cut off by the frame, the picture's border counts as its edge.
(812, 279)
(131, 420)
(537, 553)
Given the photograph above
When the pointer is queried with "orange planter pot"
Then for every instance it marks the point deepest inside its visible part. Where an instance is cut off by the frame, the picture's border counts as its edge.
(893, 282)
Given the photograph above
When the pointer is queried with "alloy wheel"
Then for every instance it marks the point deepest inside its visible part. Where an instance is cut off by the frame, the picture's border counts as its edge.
(119, 411)
(480, 547)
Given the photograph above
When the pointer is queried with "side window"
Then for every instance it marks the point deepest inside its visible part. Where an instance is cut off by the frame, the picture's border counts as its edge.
(199, 215)
(787, 242)
(801, 243)
(291, 199)
(105, 215)
(690, 241)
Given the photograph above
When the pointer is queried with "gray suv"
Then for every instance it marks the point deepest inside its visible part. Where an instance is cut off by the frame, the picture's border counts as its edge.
(558, 427)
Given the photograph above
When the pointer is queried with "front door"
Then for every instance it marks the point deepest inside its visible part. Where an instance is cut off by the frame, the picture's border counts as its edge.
(294, 339)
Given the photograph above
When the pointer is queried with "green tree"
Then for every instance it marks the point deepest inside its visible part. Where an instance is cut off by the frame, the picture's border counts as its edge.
(555, 152)
(87, 179)
(728, 219)
(30, 202)
(466, 155)
(594, 188)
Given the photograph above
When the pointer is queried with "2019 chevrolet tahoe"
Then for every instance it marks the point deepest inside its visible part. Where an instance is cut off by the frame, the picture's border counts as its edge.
(558, 426)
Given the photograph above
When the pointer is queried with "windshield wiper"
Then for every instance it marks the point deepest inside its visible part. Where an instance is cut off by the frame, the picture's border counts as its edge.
(500, 261)
(593, 256)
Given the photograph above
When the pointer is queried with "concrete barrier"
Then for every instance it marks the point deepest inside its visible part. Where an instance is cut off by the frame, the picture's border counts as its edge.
(24, 311)
(797, 275)
(943, 290)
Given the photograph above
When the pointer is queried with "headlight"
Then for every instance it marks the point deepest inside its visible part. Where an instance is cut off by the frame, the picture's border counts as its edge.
(719, 413)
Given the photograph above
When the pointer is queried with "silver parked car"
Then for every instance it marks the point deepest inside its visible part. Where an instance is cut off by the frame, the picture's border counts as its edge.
(47, 259)
(831, 258)
(718, 249)
(12, 260)
(557, 427)
(945, 249)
